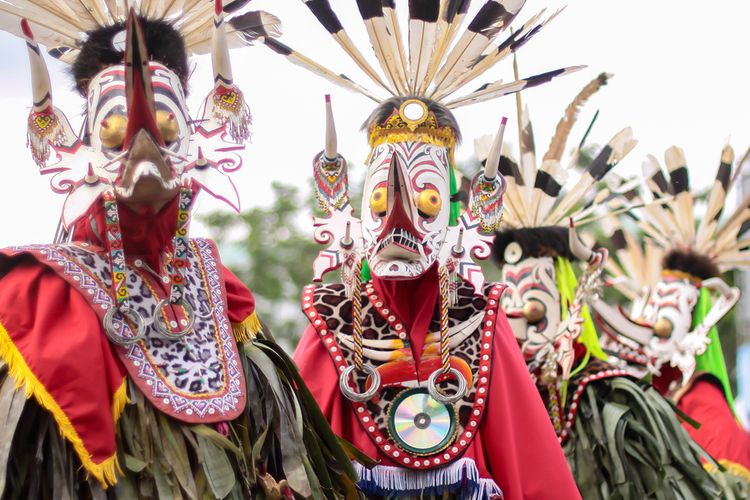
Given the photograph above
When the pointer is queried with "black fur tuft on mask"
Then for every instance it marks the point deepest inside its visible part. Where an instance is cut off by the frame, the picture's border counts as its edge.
(163, 42)
(692, 263)
(551, 241)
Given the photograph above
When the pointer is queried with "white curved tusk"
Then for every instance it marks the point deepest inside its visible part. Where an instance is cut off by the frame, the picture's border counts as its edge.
(577, 248)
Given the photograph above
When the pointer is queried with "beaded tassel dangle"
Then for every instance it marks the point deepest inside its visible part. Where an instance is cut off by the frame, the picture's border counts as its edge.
(118, 269)
(179, 264)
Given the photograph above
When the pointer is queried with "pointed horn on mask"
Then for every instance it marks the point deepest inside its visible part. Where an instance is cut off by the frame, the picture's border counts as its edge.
(40, 82)
(577, 248)
(140, 93)
(222, 65)
(487, 188)
(43, 125)
(227, 103)
(347, 242)
(458, 248)
(493, 158)
(331, 150)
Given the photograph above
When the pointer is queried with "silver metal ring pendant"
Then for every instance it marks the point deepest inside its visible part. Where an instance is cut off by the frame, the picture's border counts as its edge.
(161, 326)
(358, 397)
(439, 396)
(112, 333)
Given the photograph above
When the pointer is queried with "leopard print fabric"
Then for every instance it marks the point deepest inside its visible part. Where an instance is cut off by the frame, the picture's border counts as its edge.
(195, 379)
(330, 311)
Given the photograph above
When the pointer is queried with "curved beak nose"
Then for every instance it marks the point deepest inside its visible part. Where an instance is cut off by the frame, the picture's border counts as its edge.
(139, 91)
(146, 176)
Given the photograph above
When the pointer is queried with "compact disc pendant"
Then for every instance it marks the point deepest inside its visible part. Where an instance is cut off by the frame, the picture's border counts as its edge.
(419, 424)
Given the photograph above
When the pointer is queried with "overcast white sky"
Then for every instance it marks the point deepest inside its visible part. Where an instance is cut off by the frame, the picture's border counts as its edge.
(680, 78)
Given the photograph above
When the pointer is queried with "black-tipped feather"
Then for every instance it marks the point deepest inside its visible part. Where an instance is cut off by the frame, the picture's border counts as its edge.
(234, 5)
(618, 240)
(601, 164)
(547, 184)
(424, 10)
(454, 8)
(492, 18)
(679, 181)
(250, 26)
(509, 168)
(325, 14)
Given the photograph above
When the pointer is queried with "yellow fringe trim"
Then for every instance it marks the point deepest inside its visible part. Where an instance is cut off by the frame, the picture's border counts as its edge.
(105, 472)
(120, 399)
(248, 329)
(733, 468)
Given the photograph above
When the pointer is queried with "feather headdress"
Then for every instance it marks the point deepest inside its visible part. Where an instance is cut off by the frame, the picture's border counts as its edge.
(635, 265)
(541, 197)
(675, 228)
(62, 25)
(437, 57)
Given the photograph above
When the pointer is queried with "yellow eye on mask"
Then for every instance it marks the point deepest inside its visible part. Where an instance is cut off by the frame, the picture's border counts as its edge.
(379, 200)
(167, 125)
(112, 133)
(429, 202)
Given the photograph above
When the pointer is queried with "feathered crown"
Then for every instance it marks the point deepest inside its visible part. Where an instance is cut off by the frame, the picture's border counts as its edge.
(413, 119)
(62, 25)
(704, 248)
(539, 197)
(437, 61)
(635, 265)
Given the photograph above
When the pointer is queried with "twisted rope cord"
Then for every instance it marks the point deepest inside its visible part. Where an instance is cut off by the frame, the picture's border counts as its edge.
(357, 316)
(444, 299)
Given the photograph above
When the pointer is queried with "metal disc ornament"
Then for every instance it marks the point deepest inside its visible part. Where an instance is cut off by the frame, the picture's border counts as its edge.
(421, 425)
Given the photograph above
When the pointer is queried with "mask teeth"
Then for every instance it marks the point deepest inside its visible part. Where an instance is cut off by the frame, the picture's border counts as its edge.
(403, 238)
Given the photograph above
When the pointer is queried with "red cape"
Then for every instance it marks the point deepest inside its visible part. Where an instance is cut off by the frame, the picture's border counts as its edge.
(515, 446)
(720, 434)
(54, 343)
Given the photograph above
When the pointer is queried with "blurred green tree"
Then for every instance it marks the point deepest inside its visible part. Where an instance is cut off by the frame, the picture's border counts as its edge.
(270, 248)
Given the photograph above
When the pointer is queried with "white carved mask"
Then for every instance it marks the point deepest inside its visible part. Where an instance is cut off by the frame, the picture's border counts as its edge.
(670, 302)
(531, 300)
(405, 208)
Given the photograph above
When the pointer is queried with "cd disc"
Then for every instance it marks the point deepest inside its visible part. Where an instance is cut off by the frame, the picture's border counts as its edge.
(420, 424)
